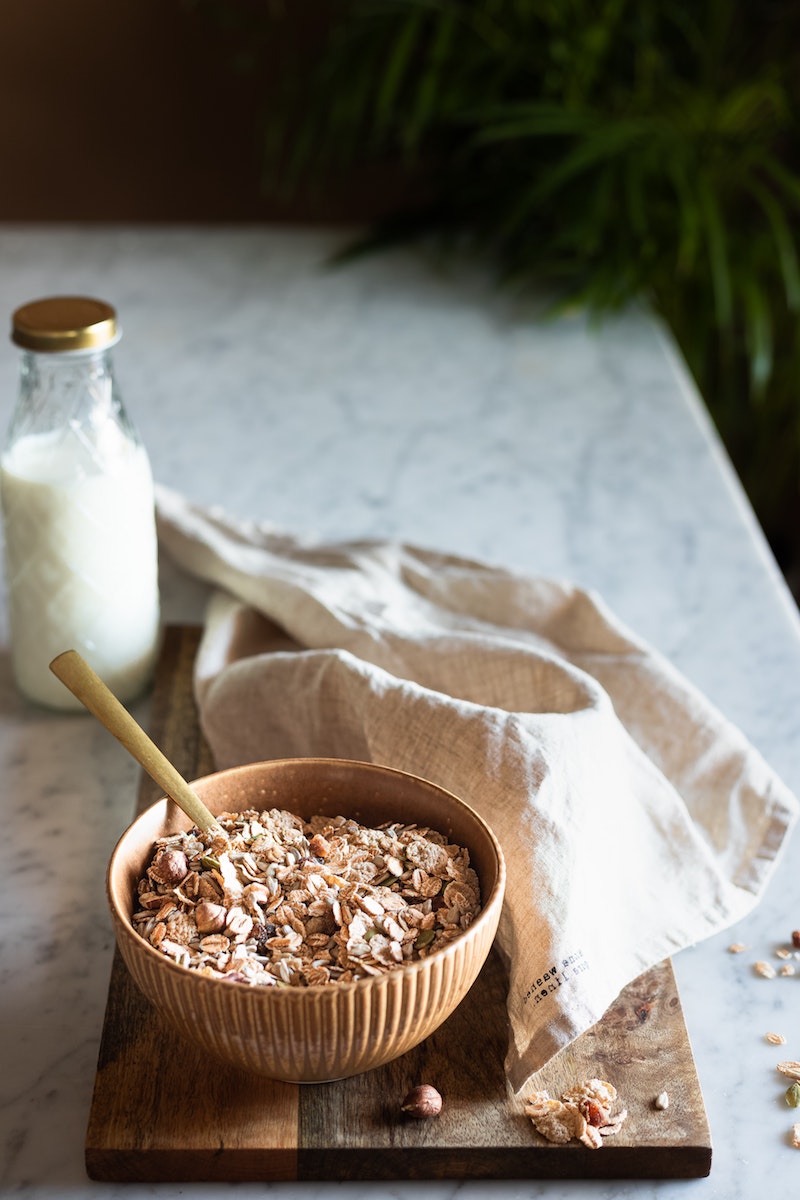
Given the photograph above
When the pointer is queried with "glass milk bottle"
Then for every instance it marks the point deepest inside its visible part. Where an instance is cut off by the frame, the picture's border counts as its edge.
(78, 509)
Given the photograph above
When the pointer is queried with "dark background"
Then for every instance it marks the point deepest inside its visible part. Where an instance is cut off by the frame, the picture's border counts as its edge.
(134, 110)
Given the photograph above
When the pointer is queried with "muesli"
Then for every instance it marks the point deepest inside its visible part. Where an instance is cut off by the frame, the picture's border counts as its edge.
(278, 901)
(584, 1112)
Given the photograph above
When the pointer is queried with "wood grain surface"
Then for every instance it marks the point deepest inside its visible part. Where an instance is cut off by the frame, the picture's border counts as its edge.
(162, 1111)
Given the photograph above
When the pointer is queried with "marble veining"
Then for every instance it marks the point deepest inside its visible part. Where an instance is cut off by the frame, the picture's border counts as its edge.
(404, 398)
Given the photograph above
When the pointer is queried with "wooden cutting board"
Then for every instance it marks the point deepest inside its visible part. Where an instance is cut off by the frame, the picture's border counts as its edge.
(162, 1111)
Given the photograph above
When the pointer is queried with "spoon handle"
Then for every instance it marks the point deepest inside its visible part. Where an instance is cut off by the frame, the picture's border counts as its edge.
(76, 674)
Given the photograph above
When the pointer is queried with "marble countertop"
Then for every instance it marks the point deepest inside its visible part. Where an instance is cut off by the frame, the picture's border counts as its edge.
(396, 397)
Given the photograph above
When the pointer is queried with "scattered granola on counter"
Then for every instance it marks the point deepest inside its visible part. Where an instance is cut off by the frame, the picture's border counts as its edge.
(279, 901)
(584, 1112)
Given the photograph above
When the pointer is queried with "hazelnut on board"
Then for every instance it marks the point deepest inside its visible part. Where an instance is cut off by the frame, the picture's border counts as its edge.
(422, 1101)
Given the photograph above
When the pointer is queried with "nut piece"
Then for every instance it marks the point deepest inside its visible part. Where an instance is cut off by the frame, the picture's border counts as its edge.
(210, 918)
(170, 867)
(422, 1101)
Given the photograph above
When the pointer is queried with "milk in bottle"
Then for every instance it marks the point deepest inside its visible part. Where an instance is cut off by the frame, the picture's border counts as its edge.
(78, 510)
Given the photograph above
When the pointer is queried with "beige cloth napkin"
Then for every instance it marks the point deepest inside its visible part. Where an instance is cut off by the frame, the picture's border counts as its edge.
(635, 819)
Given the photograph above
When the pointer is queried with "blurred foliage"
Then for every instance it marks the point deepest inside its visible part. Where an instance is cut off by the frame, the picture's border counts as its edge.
(604, 149)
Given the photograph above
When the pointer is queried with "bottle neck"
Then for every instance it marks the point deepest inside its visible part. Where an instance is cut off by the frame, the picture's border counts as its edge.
(76, 390)
(77, 377)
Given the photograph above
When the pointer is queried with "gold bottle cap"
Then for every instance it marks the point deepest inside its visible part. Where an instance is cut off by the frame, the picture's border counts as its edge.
(61, 323)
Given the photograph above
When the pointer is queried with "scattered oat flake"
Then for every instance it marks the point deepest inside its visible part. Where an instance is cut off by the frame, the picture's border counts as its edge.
(614, 1125)
(736, 948)
(783, 953)
(790, 1068)
(788, 969)
(775, 1039)
(556, 1121)
(765, 969)
(796, 1136)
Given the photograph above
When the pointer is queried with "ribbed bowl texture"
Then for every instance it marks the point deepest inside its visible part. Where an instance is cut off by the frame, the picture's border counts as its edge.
(312, 1034)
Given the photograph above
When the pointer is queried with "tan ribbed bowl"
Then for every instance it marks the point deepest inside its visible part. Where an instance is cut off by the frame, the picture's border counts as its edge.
(312, 1034)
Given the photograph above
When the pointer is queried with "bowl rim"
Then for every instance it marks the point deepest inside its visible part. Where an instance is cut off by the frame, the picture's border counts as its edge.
(490, 908)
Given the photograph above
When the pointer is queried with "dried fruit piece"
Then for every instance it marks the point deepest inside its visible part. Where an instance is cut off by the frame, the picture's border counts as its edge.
(422, 1101)
(796, 938)
(792, 1095)
(595, 1113)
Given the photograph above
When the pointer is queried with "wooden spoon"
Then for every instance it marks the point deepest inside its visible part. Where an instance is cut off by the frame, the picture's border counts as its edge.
(76, 674)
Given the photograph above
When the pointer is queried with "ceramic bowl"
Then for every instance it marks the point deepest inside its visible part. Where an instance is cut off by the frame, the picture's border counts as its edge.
(319, 1033)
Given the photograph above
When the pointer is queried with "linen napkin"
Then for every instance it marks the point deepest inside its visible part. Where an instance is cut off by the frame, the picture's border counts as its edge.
(634, 817)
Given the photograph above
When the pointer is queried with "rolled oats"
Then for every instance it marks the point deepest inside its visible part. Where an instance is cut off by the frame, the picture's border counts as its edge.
(775, 1039)
(278, 901)
(765, 969)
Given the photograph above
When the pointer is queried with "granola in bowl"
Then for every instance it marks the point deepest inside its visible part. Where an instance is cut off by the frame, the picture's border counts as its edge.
(279, 901)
